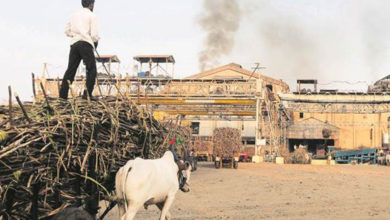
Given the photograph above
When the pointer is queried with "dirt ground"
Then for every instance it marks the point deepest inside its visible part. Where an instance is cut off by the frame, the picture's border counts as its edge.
(270, 191)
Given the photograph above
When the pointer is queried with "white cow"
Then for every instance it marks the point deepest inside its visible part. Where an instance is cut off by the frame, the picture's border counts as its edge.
(150, 182)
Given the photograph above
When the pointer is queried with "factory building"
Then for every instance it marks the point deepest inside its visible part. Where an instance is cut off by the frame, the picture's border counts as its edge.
(339, 119)
(263, 108)
(265, 89)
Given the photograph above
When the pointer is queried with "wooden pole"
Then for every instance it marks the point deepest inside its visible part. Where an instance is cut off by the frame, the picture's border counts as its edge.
(58, 86)
(46, 98)
(173, 70)
(139, 90)
(70, 88)
(109, 67)
(100, 90)
(10, 105)
(33, 85)
(23, 109)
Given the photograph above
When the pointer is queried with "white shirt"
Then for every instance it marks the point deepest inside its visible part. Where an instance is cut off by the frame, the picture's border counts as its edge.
(82, 26)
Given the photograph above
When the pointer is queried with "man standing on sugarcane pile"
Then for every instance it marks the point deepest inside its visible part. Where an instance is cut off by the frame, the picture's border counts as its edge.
(82, 27)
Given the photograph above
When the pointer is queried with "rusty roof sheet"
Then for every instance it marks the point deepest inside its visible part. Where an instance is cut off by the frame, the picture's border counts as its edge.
(107, 58)
(155, 58)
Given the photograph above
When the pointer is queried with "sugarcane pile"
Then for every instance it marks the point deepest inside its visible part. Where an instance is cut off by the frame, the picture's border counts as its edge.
(226, 141)
(66, 153)
(300, 156)
(203, 146)
(183, 136)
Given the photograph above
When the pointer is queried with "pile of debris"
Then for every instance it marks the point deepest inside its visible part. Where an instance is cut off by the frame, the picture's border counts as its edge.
(300, 156)
(226, 141)
(66, 153)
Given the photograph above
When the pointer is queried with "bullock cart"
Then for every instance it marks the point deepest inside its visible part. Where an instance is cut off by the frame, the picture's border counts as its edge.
(227, 145)
(57, 154)
(203, 150)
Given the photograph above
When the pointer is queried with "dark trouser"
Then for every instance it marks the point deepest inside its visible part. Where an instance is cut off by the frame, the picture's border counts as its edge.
(80, 50)
(172, 149)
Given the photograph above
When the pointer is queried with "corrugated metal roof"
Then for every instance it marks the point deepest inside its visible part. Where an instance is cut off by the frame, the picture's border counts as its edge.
(155, 58)
(107, 58)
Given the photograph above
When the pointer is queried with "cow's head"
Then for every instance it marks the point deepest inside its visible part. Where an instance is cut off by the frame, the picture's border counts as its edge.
(184, 176)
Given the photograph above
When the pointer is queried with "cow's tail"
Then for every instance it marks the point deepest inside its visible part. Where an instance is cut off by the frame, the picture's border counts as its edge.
(125, 173)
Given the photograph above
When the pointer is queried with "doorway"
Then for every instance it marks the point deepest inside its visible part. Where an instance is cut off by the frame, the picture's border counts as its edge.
(312, 144)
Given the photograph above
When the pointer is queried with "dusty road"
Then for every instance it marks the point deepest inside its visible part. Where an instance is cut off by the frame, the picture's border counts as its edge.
(269, 191)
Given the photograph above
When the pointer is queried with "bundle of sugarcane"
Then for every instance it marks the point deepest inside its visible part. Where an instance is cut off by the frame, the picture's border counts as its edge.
(226, 141)
(66, 153)
(182, 134)
(186, 134)
(203, 146)
(300, 156)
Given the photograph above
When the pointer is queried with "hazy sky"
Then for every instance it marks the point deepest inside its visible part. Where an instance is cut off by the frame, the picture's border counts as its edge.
(332, 40)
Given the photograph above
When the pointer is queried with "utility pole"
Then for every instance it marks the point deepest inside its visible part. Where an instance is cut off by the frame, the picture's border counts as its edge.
(255, 69)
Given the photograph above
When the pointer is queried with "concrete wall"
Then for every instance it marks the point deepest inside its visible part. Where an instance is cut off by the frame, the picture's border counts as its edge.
(362, 119)
(206, 127)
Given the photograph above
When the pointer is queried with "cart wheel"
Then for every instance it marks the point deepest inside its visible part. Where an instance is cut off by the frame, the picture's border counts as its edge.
(217, 164)
(235, 164)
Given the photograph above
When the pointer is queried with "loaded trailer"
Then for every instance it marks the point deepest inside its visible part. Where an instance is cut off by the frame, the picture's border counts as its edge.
(203, 147)
(226, 161)
(227, 145)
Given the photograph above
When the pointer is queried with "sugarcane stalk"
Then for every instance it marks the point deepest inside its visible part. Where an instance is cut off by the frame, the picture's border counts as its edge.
(10, 105)
(46, 98)
(33, 85)
(23, 109)
(94, 139)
